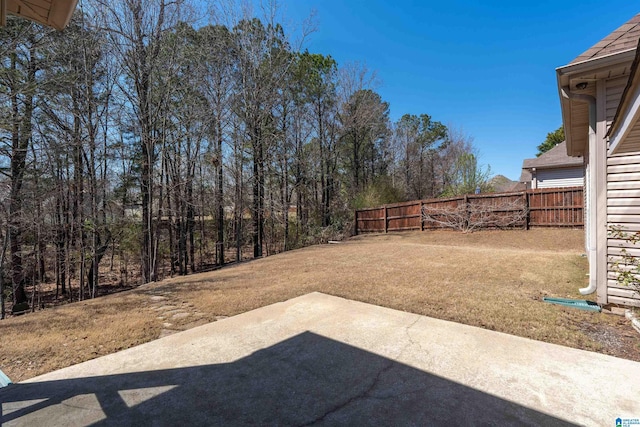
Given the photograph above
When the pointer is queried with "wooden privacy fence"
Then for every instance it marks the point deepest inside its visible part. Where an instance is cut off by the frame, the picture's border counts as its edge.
(551, 207)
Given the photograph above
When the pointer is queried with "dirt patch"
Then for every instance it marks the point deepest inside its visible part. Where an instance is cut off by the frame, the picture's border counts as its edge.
(615, 339)
(492, 279)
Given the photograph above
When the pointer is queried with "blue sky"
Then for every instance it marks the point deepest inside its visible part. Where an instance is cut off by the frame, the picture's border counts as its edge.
(485, 67)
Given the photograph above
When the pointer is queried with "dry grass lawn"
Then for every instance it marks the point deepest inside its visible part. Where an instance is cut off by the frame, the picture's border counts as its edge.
(491, 279)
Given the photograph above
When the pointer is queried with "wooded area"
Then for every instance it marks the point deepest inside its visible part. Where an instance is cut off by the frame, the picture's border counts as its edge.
(552, 207)
(136, 144)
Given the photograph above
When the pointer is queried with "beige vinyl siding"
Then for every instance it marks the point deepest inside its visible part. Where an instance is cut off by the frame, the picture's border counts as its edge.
(623, 210)
(565, 177)
(614, 89)
(632, 140)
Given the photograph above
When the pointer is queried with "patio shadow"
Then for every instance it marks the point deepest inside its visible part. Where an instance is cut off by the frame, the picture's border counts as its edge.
(305, 380)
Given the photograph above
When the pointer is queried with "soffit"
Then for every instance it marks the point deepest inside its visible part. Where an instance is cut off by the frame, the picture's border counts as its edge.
(52, 13)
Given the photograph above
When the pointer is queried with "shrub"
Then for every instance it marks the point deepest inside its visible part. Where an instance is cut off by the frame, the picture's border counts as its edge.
(625, 265)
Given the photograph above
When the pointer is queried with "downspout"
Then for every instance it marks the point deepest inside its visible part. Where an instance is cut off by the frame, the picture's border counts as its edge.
(534, 178)
(592, 231)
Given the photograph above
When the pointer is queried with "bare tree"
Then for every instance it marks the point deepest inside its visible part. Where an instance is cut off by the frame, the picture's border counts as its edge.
(469, 214)
(139, 137)
(264, 59)
(364, 120)
(136, 30)
(217, 85)
(18, 75)
(422, 141)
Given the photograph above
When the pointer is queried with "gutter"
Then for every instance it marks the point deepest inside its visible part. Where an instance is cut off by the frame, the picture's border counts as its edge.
(591, 197)
(601, 62)
(586, 68)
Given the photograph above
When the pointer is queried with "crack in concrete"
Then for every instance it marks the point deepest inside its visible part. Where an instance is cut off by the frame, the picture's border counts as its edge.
(365, 394)
(407, 331)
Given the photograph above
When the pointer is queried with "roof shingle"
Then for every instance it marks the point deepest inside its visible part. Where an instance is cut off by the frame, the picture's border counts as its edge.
(556, 157)
(624, 38)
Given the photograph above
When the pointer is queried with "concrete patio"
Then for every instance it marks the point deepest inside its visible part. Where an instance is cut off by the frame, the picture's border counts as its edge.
(323, 360)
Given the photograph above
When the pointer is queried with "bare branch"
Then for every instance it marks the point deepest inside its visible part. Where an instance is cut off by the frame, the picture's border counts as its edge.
(475, 214)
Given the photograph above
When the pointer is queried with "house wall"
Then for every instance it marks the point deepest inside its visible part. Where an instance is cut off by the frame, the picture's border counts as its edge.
(614, 89)
(598, 159)
(632, 139)
(623, 201)
(554, 178)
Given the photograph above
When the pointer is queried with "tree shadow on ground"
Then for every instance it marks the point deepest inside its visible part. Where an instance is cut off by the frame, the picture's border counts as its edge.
(305, 380)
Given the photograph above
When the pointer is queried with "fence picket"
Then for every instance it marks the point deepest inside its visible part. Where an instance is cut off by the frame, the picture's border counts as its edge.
(557, 207)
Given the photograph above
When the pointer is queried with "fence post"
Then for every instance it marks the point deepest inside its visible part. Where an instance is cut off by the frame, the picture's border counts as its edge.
(544, 202)
(355, 223)
(527, 217)
(386, 223)
(467, 213)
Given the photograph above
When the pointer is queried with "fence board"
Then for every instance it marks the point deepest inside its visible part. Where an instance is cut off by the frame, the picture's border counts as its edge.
(549, 207)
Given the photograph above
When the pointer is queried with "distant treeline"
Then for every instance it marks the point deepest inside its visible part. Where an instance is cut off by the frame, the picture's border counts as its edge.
(138, 137)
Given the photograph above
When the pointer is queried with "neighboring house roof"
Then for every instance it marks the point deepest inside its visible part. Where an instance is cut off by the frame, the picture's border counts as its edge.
(52, 13)
(555, 158)
(624, 38)
(526, 176)
(519, 186)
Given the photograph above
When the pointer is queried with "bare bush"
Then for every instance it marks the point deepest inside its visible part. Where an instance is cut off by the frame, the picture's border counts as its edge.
(626, 266)
(469, 215)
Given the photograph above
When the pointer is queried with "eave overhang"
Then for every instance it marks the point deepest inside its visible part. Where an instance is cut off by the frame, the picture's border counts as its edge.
(558, 166)
(52, 13)
(571, 75)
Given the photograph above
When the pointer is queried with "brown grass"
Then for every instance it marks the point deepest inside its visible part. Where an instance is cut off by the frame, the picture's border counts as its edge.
(491, 279)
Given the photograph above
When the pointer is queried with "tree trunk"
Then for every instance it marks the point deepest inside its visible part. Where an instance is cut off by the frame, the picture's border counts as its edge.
(258, 193)
(219, 194)
(99, 254)
(21, 137)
